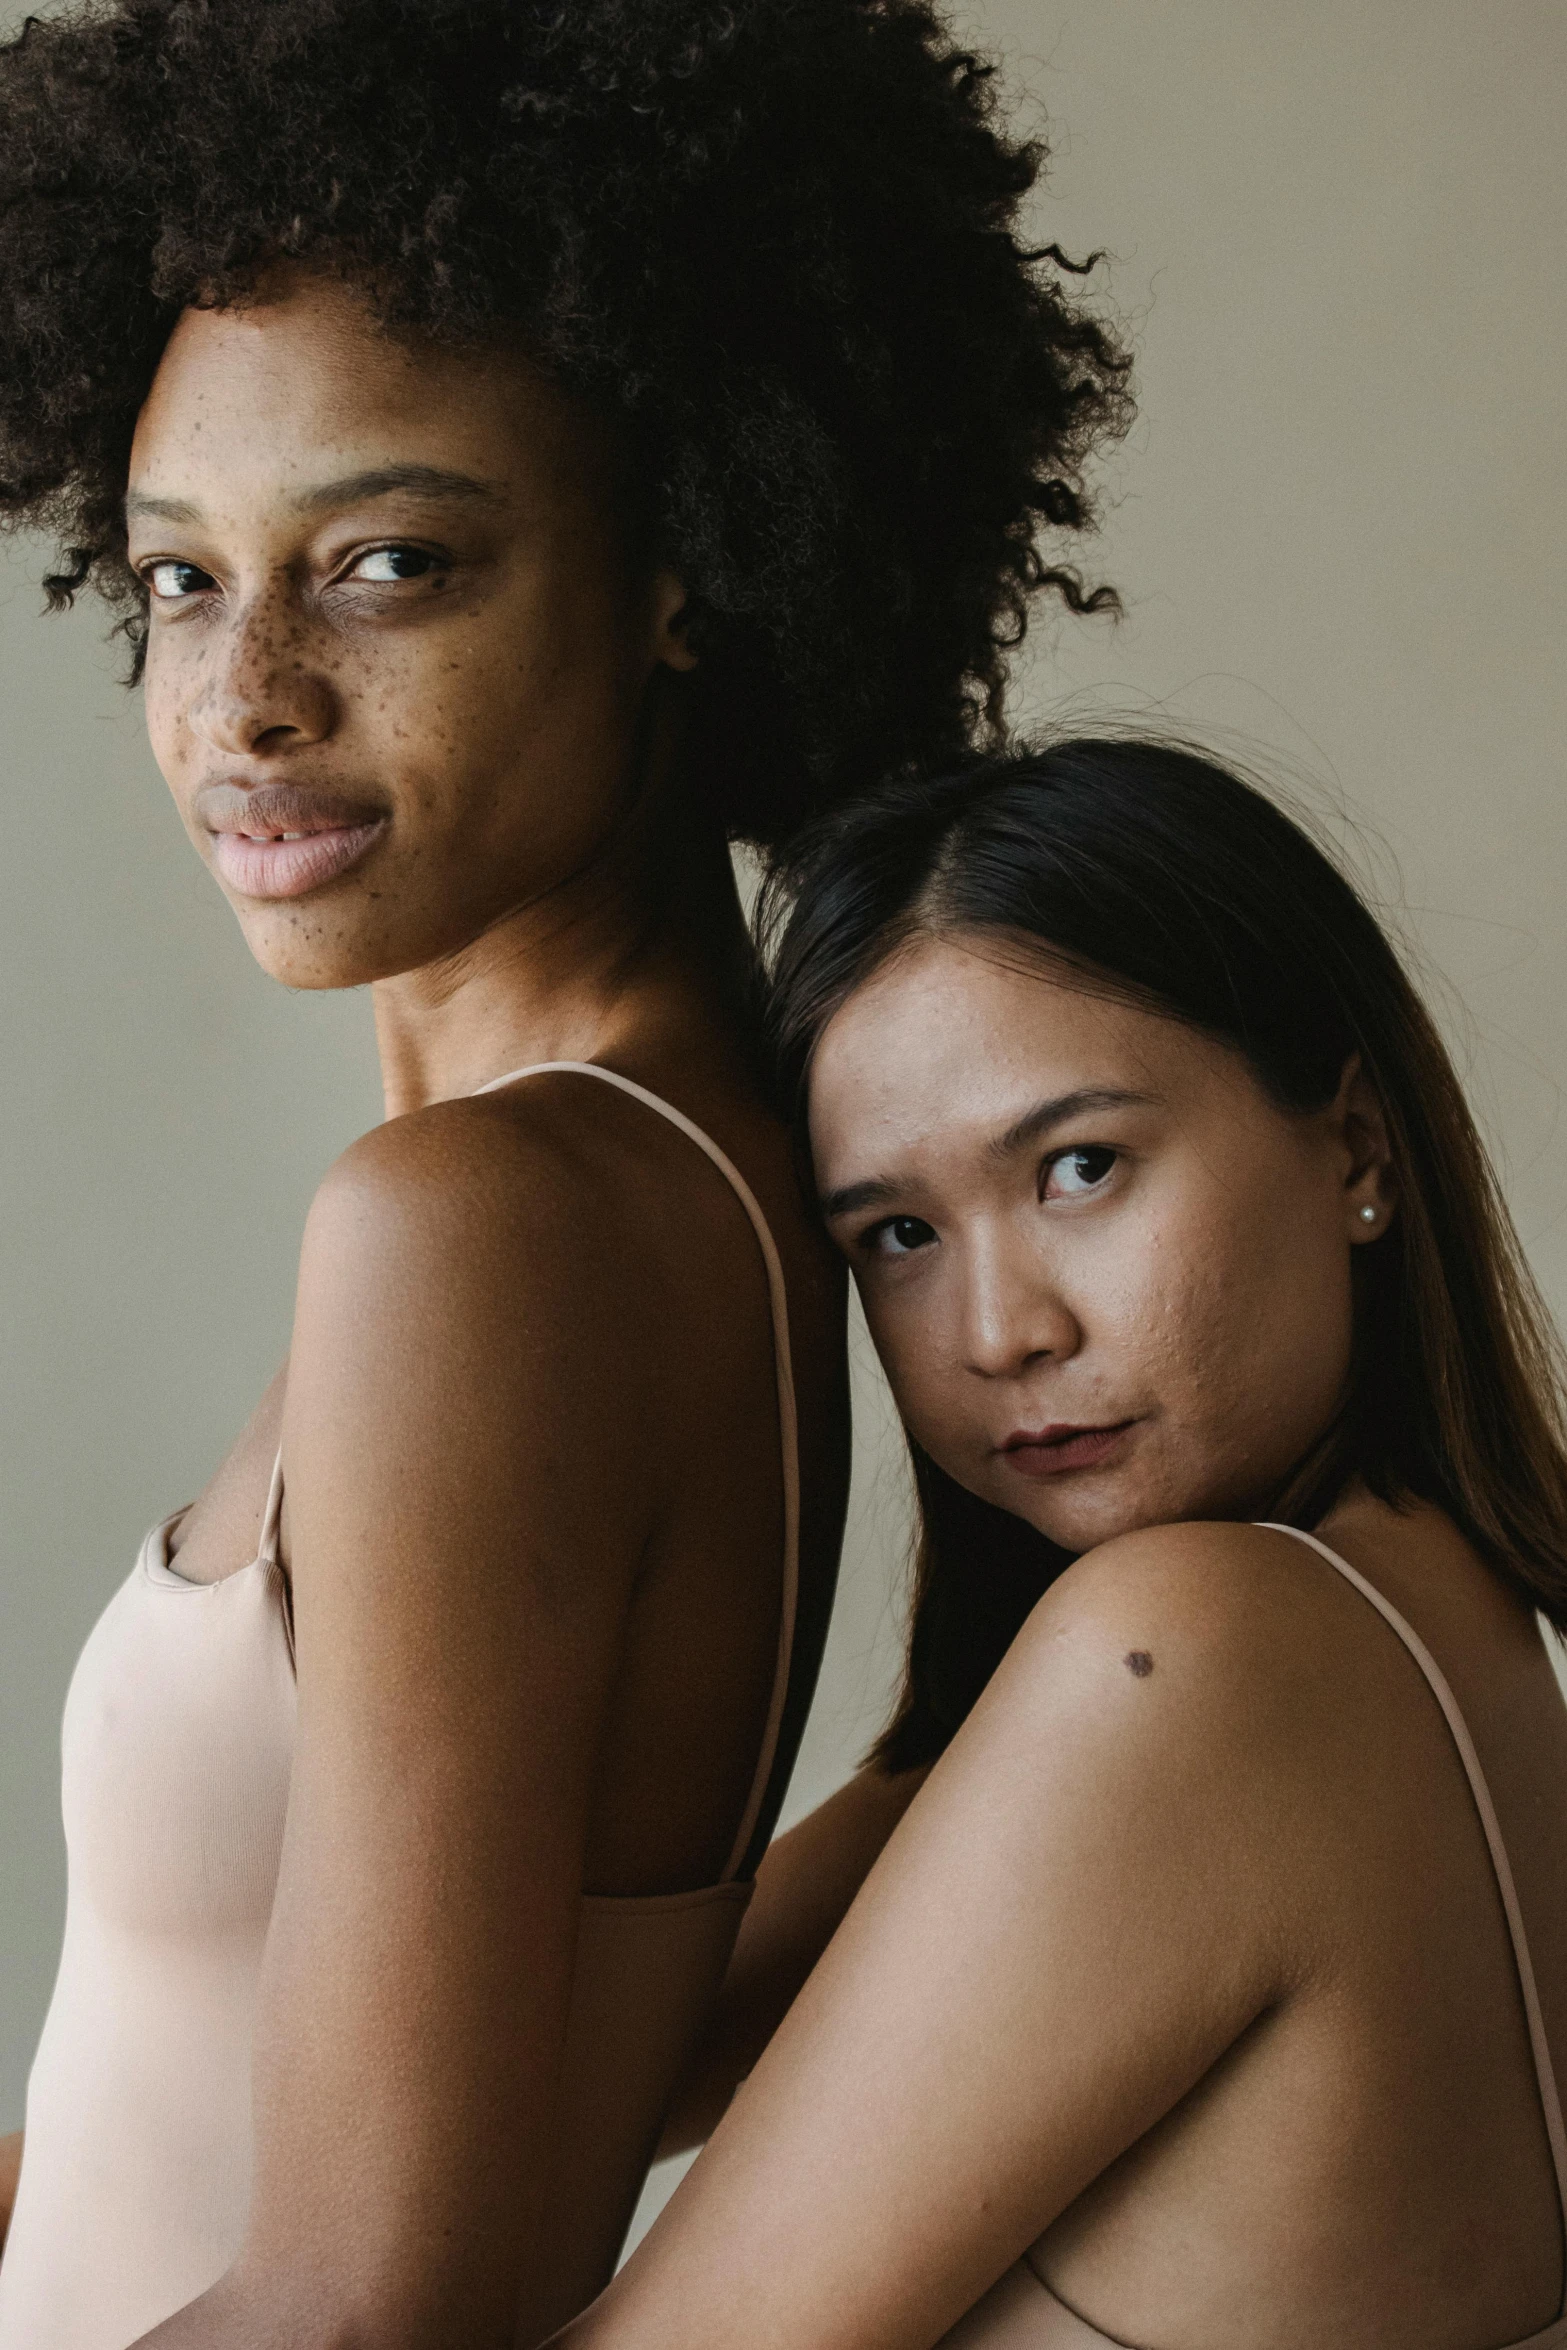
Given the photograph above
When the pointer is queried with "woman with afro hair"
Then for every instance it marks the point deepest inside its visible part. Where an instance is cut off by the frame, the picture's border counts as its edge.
(526, 449)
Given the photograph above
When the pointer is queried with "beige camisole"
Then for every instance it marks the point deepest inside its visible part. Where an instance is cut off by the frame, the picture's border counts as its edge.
(1021, 2312)
(178, 1745)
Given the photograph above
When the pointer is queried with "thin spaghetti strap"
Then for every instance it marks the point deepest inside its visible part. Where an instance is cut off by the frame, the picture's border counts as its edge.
(1550, 2099)
(788, 1426)
(272, 1516)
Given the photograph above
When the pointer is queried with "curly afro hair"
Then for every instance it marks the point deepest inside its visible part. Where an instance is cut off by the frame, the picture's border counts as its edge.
(776, 238)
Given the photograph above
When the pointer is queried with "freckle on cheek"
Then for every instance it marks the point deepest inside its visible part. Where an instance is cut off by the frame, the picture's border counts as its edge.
(1139, 1663)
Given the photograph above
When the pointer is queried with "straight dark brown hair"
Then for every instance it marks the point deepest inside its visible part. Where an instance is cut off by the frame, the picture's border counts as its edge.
(1162, 879)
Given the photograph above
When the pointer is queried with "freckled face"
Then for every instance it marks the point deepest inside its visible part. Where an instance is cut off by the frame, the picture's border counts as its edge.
(1108, 1276)
(398, 648)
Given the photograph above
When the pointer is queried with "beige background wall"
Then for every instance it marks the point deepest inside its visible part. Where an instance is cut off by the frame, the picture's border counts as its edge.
(1337, 233)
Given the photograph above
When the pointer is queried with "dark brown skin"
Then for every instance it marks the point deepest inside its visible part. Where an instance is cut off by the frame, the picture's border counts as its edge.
(534, 1512)
(1188, 1958)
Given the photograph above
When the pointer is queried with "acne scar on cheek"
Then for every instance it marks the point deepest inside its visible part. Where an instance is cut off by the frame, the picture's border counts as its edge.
(1138, 1662)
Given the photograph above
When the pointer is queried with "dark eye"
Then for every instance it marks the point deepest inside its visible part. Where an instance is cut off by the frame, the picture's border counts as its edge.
(1073, 1173)
(383, 564)
(170, 582)
(900, 1236)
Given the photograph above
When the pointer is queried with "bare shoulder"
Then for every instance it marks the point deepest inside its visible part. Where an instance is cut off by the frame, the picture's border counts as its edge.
(484, 1282)
(488, 1160)
(1154, 1760)
(489, 1200)
(1211, 1593)
(1203, 1637)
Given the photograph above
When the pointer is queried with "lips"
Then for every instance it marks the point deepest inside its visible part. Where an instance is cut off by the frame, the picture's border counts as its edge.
(284, 840)
(1061, 1448)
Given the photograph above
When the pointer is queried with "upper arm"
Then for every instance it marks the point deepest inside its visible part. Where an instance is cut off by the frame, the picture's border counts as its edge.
(1069, 1928)
(466, 1512)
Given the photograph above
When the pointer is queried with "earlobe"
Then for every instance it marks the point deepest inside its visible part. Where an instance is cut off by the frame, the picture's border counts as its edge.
(1372, 1218)
(671, 614)
(1371, 1188)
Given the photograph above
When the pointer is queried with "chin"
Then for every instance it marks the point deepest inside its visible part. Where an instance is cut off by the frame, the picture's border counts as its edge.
(311, 948)
(1110, 1506)
(1076, 1522)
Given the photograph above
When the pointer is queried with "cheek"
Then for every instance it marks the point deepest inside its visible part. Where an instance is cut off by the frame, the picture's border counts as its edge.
(908, 1327)
(1248, 1340)
(525, 724)
(895, 1333)
(166, 693)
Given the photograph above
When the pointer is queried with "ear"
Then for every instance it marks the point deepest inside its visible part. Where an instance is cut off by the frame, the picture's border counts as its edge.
(670, 613)
(1358, 1119)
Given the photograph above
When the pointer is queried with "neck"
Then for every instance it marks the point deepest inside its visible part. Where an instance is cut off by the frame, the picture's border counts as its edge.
(645, 944)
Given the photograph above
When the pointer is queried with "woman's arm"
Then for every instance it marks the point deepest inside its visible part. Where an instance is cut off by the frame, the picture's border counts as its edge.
(803, 1891)
(1080, 1914)
(10, 2172)
(463, 1541)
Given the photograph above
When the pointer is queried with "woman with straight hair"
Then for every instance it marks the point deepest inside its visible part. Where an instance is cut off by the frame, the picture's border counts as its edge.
(526, 449)
(1206, 1995)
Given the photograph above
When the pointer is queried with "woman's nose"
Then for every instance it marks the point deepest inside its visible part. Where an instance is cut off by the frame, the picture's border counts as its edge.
(260, 691)
(1014, 1313)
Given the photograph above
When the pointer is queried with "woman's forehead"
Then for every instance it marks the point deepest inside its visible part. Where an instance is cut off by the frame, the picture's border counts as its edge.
(306, 379)
(968, 1005)
(963, 1038)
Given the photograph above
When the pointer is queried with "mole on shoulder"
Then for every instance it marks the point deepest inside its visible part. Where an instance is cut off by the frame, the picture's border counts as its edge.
(1138, 1661)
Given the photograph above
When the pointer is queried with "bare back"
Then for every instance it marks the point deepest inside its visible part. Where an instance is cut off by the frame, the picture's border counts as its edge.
(698, 1661)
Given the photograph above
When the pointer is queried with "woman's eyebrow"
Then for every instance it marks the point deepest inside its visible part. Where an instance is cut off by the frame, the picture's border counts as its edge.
(384, 481)
(350, 489)
(875, 1191)
(139, 506)
(1039, 1120)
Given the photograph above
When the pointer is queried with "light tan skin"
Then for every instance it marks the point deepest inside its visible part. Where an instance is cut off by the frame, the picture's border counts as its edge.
(533, 1525)
(1199, 1972)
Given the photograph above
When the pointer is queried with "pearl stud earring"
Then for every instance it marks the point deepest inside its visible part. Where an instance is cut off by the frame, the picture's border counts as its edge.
(1368, 1215)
